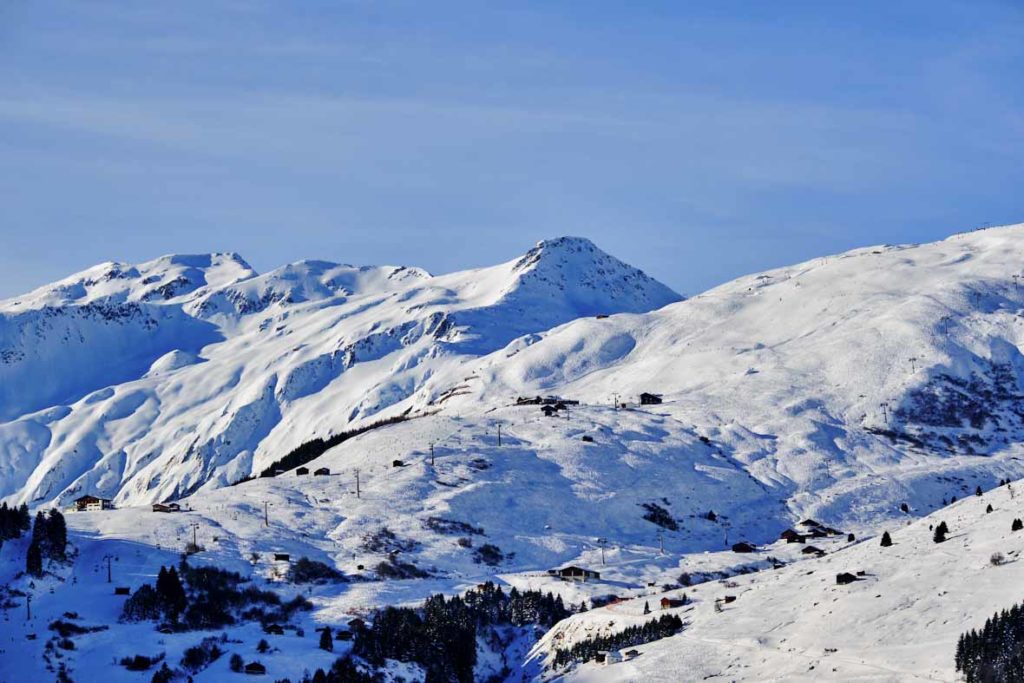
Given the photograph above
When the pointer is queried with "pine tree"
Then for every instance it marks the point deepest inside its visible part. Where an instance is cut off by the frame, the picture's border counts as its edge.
(647, 608)
(56, 536)
(940, 533)
(171, 593)
(34, 560)
(62, 674)
(886, 540)
(163, 675)
(977, 491)
(988, 509)
(326, 641)
(1017, 525)
(40, 534)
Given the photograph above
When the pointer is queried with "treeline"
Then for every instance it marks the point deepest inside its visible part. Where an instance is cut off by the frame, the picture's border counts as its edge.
(342, 671)
(585, 650)
(14, 521)
(195, 598)
(996, 652)
(311, 450)
(441, 635)
(49, 541)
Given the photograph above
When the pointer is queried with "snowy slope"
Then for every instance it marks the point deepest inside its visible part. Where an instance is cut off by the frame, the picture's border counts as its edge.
(899, 622)
(847, 384)
(147, 383)
(838, 389)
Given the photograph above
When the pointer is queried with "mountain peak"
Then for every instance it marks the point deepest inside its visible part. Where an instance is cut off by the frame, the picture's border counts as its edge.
(558, 247)
(161, 279)
(586, 278)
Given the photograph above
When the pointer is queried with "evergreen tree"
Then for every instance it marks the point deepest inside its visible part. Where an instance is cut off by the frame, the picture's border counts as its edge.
(977, 491)
(988, 509)
(940, 533)
(40, 533)
(1017, 525)
(163, 675)
(886, 540)
(993, 653)
(143, 605)
(647, 608)
(326, 641)
(62, 674)
(34, 560)
(56, 536)
(171, 593)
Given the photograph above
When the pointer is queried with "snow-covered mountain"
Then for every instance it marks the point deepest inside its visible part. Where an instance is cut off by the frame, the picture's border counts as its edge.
(865, 390)
(846, 384)
(148, 382)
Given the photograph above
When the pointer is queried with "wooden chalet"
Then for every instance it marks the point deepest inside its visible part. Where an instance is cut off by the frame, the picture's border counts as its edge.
(255, 669)
(743, 547)
(812, 550)
(845, 578)
(790, 536)
(574, 573)
(166, 507)
(647, 399)
(322, 472)
(302, 471)
(669, 603)
(92, 504)
(545, 401)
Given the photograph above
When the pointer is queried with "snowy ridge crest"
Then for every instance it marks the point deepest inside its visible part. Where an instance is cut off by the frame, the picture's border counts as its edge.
(151, 381)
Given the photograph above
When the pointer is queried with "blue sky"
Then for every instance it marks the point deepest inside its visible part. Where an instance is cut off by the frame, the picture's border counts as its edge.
(696, 140)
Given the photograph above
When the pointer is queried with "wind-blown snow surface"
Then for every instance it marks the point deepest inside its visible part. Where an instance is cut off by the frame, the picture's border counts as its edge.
(148, 382)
